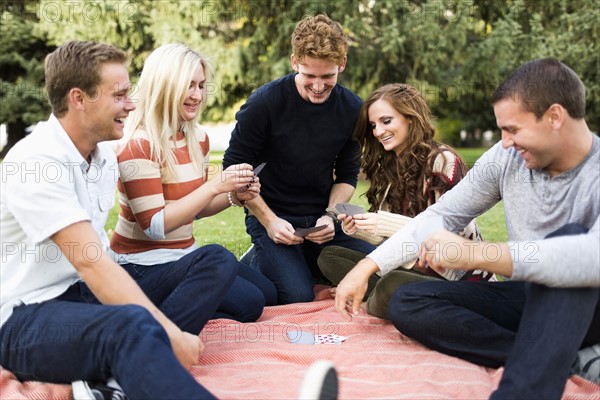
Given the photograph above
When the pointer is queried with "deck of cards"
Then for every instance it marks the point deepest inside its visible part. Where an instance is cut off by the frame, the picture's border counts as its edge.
(329, 338)
(302, 337)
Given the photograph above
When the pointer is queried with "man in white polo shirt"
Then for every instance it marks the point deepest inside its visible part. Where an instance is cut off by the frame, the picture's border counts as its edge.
(68, 312)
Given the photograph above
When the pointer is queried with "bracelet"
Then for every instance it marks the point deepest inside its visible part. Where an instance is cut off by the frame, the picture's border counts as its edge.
(234, 201)
(331, 215)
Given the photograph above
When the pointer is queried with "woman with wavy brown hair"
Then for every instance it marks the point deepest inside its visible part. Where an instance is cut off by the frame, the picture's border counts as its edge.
(408, 171)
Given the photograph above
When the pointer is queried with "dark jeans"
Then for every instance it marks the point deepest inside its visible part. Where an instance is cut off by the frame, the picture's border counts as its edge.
(73, 337)
(189, 291)
(293, 268)
(185, 278)
(533, 330)
(62, 341)
(250, 293)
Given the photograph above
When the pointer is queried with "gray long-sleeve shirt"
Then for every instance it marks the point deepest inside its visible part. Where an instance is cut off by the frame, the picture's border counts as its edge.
(535, 204)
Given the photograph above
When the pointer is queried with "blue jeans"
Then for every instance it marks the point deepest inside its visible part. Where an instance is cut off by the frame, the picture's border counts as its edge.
(73, 338)
(178, 285)
(250, 293)
(533, 330)
(189, 290)
(292, 268)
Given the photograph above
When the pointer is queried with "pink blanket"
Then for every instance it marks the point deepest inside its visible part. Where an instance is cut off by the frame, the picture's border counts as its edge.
(260, 361)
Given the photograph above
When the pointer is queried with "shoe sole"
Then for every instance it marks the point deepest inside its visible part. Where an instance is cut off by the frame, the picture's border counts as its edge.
(320, 382)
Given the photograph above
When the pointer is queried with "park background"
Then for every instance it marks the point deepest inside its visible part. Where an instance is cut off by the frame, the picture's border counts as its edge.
(454, 52)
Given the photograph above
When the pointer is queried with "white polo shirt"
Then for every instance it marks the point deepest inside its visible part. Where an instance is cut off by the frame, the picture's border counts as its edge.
(46, 186)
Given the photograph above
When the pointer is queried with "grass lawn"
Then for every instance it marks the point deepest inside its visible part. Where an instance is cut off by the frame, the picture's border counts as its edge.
(470, 155)
(227, 228)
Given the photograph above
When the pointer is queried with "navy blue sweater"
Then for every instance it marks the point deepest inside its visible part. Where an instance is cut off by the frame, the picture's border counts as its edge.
(308, 147)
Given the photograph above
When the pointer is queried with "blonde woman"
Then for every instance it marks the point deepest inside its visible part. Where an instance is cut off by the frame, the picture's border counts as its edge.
(163, 187)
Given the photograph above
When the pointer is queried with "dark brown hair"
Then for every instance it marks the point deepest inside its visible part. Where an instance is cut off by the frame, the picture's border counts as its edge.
(540, 83)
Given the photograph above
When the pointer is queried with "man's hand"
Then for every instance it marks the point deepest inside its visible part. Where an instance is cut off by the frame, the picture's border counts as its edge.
(324, 235)
(352, 288)
(445, 250)
(282, 232)
(187, 348)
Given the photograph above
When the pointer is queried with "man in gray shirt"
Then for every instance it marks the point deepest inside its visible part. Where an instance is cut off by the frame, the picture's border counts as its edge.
(546, 169)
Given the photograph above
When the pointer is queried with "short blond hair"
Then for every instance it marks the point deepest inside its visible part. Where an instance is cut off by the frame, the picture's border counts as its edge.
(319, 37)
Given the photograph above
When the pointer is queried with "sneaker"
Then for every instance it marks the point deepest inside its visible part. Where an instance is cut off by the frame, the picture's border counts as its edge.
(587, 364)
(320, 382)
(85, 390)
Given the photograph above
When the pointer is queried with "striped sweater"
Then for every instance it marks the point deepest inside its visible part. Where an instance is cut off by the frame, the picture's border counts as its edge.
(145, 188)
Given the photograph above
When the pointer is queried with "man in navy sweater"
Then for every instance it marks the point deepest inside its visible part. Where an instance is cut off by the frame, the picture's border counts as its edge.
(301, 126)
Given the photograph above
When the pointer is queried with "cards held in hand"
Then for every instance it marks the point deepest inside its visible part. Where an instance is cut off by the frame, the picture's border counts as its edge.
(304, 232)
(349, 209)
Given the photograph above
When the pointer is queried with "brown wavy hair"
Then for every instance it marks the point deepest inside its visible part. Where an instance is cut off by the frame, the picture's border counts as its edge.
(408, 171)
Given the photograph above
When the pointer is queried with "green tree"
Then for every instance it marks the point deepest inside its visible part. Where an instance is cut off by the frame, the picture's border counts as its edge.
(121, 23)
(508, 34)
(22, 99)
(455, 52)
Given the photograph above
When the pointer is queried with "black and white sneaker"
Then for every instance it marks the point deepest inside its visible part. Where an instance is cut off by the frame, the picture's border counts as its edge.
(587, 364)
(320, 382)
(85, 390)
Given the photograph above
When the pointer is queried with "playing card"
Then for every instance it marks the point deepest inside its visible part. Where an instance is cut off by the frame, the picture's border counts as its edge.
(329, 338)
(301, 337)
(341, 207)
(259, 168)
(349, 209)
(428, 227)
(256, 172)
(304, 232)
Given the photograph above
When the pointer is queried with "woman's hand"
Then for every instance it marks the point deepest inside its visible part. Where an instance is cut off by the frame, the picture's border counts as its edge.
(348, 225)
(249, 192)
(235, 178)
(367, 222)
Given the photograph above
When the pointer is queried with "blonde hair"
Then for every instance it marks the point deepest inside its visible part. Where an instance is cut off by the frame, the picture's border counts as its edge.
(162, 89)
